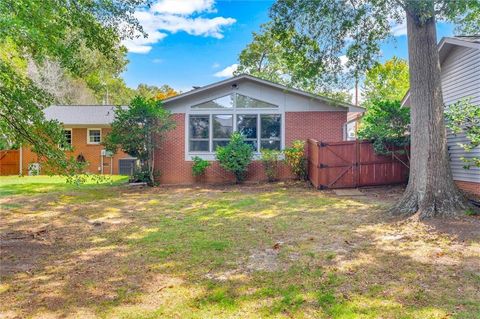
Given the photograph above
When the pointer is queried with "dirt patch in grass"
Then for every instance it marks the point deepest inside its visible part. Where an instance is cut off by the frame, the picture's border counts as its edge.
(253, 251)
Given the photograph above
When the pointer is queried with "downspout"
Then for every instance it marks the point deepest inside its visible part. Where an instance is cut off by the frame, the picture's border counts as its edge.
(111, 165)
(101, 163)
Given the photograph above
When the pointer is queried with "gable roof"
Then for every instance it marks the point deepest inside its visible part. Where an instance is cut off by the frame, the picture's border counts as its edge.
(81, 114)
(248, 77)
(445, 45)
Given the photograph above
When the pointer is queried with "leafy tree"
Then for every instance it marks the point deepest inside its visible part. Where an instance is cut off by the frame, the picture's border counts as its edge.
(273, 59)
(56, 31)
(326, 29)
(386, 124)
(138, 130)
(235, 156)
(463, 117)
(386, 81)
(155, 92)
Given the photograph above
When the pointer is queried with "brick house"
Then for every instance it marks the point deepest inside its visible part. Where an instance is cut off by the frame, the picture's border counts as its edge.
(85, 127)
(268, 114)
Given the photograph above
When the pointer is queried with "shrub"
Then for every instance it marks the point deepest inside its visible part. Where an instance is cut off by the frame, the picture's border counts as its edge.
(270, 161)
(235, 156)
(199, 166)
(296, 160)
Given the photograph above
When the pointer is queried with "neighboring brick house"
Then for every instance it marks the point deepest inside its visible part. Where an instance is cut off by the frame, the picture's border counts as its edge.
(85, 127)
(460, 72)
(268, 114)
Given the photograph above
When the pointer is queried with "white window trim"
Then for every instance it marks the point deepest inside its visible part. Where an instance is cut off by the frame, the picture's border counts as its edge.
(210, 156)
(71, 139)
(88, 135)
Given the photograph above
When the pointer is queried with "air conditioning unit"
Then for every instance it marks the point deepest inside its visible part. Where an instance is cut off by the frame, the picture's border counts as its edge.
(33, 169)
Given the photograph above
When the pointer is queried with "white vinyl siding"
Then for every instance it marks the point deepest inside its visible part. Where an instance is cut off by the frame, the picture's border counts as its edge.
(461, 79)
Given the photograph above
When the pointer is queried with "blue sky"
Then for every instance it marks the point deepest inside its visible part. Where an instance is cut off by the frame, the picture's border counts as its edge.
(196, 42)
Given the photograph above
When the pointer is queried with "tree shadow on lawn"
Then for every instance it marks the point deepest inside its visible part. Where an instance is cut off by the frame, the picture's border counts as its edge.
(277, 252)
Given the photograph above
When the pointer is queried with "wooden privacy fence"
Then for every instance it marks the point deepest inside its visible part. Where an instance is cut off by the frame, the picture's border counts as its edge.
(353, 164)
(9, 162)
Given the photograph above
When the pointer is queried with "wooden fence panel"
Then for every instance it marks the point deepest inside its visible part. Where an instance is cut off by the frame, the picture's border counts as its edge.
(353, 164)
(9, 162)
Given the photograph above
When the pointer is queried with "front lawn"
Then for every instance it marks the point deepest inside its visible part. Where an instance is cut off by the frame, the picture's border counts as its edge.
(255, 251)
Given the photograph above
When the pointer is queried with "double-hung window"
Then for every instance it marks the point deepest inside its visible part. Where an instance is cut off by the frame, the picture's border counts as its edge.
(67, 133)
(211, 123)
(94, 136)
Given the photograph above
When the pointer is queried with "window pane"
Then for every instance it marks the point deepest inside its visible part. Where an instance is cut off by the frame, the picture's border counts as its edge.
(251, 103)
(225, 102)
(222, 126)
(247, 125)
(270, 144)
(198, 146)
(68, 136)
(94, 136)
(199, 126)
(253, 143)
(270, 125)
(219, 143)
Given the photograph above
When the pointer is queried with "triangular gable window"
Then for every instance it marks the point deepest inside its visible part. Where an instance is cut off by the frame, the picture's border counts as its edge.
(246, 102)
(235, 100)
(224, 102)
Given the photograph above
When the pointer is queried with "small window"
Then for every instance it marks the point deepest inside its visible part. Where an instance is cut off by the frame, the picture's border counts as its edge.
(222, 130)
(246, 102)
(94, 136)
(199, 133)
(225, 102)
(68, 139)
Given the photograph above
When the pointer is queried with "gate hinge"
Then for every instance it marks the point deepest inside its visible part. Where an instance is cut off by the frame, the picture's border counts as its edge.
(322, 165)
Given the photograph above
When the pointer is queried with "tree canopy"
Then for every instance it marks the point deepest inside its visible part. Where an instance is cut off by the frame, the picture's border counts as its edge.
(80, 37)
(274, 58)
(386, 81)
(325, 30)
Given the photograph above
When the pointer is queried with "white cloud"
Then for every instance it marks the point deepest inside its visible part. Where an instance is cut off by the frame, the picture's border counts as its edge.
(398, 28)
(343, 60)
(176, 16)
(183, 7)
(227, 72)
(215, 65)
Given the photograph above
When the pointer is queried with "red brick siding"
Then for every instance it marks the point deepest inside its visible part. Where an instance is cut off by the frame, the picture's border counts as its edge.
(469, 187)
(170, 158)
(91, 152)
(322, 126)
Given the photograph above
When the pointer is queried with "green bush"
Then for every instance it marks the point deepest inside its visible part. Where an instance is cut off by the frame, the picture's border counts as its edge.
(270, 161)
(296, 159)
(199, 166)
(235, 156)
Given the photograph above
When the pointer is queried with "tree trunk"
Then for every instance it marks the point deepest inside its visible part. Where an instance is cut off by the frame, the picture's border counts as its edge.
(431, 191)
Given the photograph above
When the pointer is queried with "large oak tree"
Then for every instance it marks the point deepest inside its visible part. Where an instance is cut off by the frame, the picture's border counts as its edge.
(357, 27)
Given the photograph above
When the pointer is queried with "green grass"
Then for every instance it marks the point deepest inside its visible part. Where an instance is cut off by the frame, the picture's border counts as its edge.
(29, 185)
(210, 253)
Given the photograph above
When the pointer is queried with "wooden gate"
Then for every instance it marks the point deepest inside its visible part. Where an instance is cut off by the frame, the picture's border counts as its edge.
(9, 162)
(353, 164)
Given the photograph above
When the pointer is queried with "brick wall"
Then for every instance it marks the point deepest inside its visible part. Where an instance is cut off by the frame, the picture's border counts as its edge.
(170, 158)
(91, 152)
(469, 187)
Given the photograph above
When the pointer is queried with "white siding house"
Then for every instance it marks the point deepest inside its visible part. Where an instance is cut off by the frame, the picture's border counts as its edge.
(460, 67)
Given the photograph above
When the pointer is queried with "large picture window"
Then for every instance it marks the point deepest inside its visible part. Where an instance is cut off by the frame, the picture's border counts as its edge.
(211, 124)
